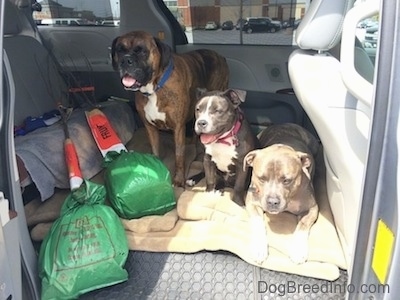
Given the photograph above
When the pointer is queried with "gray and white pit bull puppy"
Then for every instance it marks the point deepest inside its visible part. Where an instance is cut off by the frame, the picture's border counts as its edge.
(282, 180)
(227, 138)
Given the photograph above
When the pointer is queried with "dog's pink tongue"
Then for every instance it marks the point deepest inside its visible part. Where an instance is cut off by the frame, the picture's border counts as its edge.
(208, 138)
(128, 81)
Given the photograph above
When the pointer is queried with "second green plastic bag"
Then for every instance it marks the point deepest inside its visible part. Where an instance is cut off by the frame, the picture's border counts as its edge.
(138, 184)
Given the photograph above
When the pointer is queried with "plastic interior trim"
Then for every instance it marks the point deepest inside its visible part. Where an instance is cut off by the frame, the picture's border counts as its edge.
(357, 85)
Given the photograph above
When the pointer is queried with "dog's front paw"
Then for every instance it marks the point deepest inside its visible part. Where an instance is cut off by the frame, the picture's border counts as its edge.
(259, 250)
(299, 248)
(259, 240)
(215, 192)
(190, 182)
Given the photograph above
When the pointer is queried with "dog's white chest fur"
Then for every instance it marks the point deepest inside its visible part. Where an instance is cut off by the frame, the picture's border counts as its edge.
(222, 154)
(151, 110)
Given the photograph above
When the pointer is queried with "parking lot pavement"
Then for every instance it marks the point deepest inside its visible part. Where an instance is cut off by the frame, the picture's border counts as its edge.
(282, 37)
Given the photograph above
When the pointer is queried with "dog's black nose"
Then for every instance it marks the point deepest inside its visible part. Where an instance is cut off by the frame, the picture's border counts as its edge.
(202, 123)
(273, 202)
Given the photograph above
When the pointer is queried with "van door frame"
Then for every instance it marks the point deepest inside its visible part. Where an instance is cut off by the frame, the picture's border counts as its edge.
(380, 203)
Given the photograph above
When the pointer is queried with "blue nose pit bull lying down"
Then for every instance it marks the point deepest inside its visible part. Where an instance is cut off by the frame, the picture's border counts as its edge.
(282, 181)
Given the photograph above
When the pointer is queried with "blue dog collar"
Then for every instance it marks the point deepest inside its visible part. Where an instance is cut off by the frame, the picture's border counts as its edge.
(164, 77)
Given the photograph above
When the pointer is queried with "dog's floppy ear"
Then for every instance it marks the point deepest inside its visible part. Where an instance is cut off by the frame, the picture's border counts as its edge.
(113, 56)
(165, 52)
(235, 96)
(200, 92)
(249, 159)
(307, 162)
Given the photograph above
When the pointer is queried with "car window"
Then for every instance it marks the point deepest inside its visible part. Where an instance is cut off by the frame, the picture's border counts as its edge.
(195, 14)
(77, 13)
(193, 17)
(367, 33)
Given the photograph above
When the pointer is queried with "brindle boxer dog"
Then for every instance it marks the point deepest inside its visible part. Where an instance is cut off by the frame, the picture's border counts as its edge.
(165, 85)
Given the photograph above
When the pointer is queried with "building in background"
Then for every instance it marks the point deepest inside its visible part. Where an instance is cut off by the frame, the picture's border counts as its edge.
(194, 14)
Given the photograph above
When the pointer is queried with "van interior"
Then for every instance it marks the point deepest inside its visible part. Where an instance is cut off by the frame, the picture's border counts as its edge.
(197, 251)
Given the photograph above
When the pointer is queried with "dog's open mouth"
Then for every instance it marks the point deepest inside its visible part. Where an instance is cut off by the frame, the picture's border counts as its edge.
(130, 83)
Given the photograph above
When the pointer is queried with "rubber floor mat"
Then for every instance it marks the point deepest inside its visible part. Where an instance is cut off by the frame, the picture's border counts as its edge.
(213, 276)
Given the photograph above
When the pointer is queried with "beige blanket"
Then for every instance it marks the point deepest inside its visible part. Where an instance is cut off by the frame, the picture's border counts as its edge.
(203, 221)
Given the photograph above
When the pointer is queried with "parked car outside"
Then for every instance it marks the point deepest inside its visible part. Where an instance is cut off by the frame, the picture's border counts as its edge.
(211, 25)
(296, 23)
(240, 23)
(286, 24)
(110, 23)
(367, 23)
(371, 37)
(64, 21)
(263, 24)
(227, 25)
(291, 24)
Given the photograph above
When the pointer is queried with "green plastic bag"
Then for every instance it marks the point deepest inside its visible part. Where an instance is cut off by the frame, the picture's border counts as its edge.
(138, 184)
(86, 247)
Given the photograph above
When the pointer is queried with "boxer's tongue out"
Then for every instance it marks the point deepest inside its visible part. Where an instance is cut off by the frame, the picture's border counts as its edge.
(128, 81)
